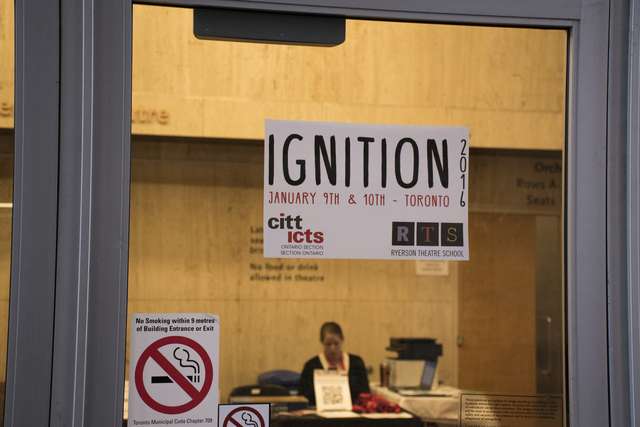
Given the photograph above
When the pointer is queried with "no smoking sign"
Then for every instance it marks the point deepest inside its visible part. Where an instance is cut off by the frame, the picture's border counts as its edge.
(183, 353)
(257, 415)
(174, 375)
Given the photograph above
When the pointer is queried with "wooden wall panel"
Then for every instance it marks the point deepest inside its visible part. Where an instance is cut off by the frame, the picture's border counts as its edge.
(6, 63)
(6, 190)
(497, 305)
(519, 182)
(507, 85)
(192, 207)
(6, 168)
(196, 205)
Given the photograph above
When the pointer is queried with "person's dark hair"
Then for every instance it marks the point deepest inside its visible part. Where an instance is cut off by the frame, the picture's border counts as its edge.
(330, 328)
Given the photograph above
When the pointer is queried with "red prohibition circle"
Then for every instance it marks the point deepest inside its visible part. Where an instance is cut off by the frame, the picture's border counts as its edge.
(197, 396)
(229, 421)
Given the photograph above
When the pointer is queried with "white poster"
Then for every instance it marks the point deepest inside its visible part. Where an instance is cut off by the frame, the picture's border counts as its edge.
(174, 369)
(332, 391)
(336, 190)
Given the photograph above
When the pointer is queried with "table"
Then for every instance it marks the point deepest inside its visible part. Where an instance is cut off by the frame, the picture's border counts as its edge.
(315, 421)
(443, 410)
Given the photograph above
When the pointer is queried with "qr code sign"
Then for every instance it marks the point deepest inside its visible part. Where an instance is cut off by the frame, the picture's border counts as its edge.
(332, 395)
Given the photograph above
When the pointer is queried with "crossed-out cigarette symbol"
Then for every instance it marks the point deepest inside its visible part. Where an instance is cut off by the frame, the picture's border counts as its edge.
(182, 355)
(243, 416)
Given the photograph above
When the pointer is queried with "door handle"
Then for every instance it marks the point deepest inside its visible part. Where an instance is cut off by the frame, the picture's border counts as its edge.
(547, 369)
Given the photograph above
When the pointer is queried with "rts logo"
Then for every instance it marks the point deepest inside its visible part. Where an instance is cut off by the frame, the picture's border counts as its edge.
(426, 234)
(295, 234)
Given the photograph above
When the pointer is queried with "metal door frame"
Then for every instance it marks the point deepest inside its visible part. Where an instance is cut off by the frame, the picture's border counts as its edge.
(68, 316)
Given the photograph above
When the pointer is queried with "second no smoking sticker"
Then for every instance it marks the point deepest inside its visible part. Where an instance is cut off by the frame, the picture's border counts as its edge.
(257, 415)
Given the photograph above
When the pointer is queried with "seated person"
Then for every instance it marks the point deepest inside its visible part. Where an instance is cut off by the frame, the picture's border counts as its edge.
(332, 357)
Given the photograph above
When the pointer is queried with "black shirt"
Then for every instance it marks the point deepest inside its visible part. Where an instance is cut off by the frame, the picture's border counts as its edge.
(358, 380)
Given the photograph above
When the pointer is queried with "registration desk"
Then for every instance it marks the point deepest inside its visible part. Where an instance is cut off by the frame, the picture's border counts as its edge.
(317, 421)
(441, 408)
(308, 418)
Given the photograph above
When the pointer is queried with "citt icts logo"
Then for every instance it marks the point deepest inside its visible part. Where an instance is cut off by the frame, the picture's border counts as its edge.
(404, 233)
(296, 231)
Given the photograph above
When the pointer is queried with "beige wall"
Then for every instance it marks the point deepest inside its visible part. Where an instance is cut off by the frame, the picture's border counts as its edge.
(6, 63)
(498, 306)
(506, 85)
(193, 206)
(6, 169)
(6, 188)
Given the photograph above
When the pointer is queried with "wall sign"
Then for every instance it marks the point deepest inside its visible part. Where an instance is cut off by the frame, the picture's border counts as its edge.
(174, 369)
(432, 268)
(334, 190)
(522, 182)
(478, 410)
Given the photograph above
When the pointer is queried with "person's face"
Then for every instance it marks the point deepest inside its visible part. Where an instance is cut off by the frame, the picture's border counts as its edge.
(332, 344)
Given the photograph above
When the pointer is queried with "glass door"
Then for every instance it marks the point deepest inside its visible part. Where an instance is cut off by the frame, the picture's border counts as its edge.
(196, 238)
(152, 203)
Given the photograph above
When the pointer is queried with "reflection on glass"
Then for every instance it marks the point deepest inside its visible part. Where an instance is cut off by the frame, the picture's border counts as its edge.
(196, 196)
(6, 176)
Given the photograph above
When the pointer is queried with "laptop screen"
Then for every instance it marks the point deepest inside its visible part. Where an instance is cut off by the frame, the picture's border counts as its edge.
(427, 375)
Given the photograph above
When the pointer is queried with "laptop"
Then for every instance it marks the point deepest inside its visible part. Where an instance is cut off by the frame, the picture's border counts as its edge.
(426, 383)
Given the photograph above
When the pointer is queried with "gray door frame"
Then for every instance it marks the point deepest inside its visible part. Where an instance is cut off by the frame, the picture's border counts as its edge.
(35, 206)
(72, 197)
(631, 293)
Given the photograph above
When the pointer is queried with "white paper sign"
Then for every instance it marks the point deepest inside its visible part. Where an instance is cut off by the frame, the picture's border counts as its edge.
(334, 190)
(331, 389)
(174, 369)
(432, 268)
(254, 415)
